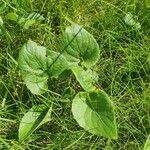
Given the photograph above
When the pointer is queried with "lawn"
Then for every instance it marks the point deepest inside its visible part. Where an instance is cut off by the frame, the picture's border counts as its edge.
(121, 28)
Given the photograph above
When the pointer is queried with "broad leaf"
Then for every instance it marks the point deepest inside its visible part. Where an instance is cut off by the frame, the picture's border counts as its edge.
(94, 112)
(79, 45)
(85, 78)
(38, 86)
(147, 144)
(32, 63)
(33, 119)
(56, 64)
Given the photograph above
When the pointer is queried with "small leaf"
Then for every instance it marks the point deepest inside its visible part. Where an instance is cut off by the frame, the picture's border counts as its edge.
(85, 78)
(68, 93)
(33, 119)
(57, 63)
(32, 63)
(131, 21)
(147, 144)
(28, 23)
(29, 20)
(79, 45)
(12, 16)
(94, 112)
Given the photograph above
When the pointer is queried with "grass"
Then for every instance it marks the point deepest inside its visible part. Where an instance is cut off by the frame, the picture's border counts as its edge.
(123, 68)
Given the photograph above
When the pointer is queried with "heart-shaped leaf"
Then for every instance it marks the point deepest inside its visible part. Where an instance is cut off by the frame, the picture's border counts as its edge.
(33, 65)
(85, 78)
(94, 112)
(33, 119)
(79, 45)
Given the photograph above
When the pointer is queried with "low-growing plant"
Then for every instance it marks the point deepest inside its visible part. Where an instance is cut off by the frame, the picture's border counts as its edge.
(91, 108)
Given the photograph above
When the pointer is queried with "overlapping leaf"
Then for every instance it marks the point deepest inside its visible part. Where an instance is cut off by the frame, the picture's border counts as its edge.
(79, 45)
(35, 66)
(85, 78)
(32, 63)
(56, 64)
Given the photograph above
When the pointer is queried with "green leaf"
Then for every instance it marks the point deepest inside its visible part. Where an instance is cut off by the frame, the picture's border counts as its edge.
(12, 16)
(38, 85)
(57, 63)
(131, 21)
(147, 144)
(85, 78)
(33, 66)
(33, 119)
(94, 112)
(68, 93)
(30, 19)
(79, 45)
